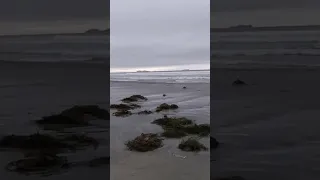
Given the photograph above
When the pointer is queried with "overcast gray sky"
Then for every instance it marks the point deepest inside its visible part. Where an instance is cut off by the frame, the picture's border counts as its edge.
(264, 12)
(148, 33)
(46, 16)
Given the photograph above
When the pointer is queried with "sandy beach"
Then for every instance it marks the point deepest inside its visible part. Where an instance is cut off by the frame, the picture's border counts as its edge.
(30, 91)
(165, 162)
(268, 129)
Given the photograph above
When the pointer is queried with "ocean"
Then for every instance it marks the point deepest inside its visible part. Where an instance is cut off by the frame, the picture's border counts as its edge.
(265, 48)
(197, 76)
(269, 128)
(55, 48)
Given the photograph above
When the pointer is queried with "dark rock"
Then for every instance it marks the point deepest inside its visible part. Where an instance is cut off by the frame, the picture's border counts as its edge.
(238, 82)
(184, 87)
(164, 95)
(213, 143)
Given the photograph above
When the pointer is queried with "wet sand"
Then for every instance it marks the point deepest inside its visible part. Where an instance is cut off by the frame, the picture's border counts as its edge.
(268, 129)
(165, 162)
(30, 91)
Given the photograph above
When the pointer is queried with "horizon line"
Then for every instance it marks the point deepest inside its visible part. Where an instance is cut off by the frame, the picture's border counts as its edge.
(161, 71)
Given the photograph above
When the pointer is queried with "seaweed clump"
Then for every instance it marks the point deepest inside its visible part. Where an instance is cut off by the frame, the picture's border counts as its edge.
(145, 142)
(80, 111)
(124, 106)
(178, 127)
(165, 106)
(122, 113)
(172, 122)
(145, 112)
(76, 116)
(40, 164)
(201, 129)
(191, 144)
(62, 120)
(173, 133)
(134, 98)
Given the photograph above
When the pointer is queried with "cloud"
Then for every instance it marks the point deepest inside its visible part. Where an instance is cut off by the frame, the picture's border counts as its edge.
(254, 5)
(148, 33)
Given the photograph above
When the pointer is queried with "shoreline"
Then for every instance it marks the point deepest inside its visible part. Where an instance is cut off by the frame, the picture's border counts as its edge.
(193, 103)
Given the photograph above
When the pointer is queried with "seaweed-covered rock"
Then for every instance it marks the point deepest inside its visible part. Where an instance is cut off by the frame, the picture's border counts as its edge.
(145, 142)
(239, 82)
(134, 106)
(124, 106)
(191, 144)
(181, 126)
(40, 164)
(174, 133)
(134, 98)
(213, 143)
(172, 122)
(122, 113)
(75, 116)
(201, 129)
(79, 111)
(62, 120)
(166, 106)
(145, 112)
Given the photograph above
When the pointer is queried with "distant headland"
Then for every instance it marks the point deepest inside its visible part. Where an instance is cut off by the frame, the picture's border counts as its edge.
(87, 32)
(251, 28)
(97, 31)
